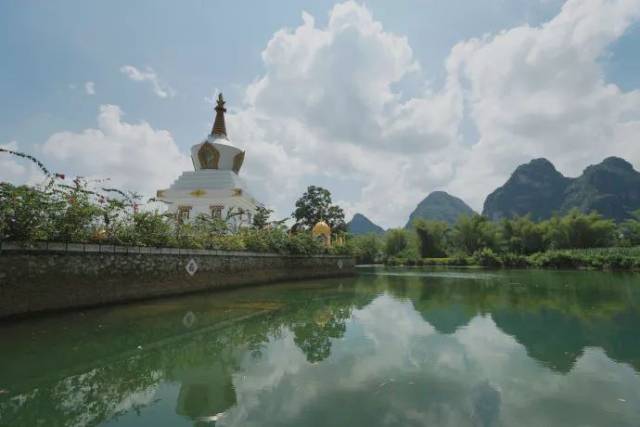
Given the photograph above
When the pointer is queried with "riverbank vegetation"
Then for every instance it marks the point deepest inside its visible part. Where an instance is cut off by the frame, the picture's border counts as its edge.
(73, 213)
(575, 240)
(88, 211)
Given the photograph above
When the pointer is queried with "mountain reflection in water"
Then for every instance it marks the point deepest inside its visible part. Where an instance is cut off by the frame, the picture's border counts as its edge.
(388, 347)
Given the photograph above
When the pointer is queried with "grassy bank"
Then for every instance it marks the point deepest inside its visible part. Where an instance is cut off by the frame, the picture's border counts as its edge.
(593, 258)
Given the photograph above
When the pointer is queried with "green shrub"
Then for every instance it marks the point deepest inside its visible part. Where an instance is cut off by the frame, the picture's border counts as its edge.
(486, 258)
(303, 243)
(367, 249)
(276, 239)
(553, 259)
(25, 213)
(460, 260)
(255, 240)
(511, 260)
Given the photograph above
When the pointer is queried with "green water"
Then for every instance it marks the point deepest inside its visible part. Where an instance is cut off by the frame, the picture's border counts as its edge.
(386, 348)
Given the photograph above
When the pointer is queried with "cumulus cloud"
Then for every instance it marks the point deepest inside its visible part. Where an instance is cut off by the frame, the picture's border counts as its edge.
(90, 88)
(160, 88)
(541, 92)
(134, 156)
(325, 109)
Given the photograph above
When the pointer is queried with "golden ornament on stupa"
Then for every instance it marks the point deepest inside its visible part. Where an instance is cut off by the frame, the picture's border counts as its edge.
(322, 229)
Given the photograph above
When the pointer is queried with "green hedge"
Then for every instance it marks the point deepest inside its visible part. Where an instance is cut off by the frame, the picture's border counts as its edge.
(609, 259)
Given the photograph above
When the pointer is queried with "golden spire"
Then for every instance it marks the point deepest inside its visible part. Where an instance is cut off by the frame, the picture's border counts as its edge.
(219, 129)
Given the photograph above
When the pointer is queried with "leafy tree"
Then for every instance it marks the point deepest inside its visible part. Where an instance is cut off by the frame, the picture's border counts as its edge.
(471, 233)
(367, 248)
(77, 215)
(578, 230)
(520, 235)
(261, 217)
(146, 229)
(315, 205)
(396, 241)
(630, 230)
(432, 238)
(24, 213)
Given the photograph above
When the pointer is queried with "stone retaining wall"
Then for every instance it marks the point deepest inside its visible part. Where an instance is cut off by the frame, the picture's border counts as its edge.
(59, 276)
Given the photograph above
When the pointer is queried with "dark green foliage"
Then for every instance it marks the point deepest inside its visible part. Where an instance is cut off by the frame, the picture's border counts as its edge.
(24, 213)
(487, 258)
(316, 205)
(554, 259)
(472, 233)
(396, 241)
(517, 243)
(146, 229)
(265, 240)
(303, 244)
(630, 230)
(440, 206)
(360, 224)
(511, 260)
(522, 236)
(367, 249)
(261, 217)
(432, 238)
(578, 230)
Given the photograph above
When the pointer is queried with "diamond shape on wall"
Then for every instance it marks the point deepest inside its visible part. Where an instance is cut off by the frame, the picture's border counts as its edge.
(191, 267)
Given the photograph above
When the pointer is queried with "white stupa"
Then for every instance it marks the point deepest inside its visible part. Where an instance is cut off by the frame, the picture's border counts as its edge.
(214, 188)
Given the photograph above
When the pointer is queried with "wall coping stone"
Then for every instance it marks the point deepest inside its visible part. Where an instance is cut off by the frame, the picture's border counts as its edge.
(56, 247)
(107, 248)
(91, 248)
(6, 247)
(75, 247)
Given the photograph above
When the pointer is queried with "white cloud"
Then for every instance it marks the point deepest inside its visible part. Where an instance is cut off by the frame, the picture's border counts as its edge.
(326, 112)
(90, 88)
(134, 156)
(325, 109)
(16, 170)
(160, 88)
(541, 92)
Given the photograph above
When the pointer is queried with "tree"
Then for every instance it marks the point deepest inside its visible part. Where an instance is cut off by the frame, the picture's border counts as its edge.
(432, 237)
(471, 233)
(396, 241)
(520, 235)
(579, 230)
(261, 217)
(630, 230)
(366, 248)
(315, 205)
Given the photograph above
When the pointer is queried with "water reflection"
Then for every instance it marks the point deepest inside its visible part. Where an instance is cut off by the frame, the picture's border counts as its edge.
(479, 349)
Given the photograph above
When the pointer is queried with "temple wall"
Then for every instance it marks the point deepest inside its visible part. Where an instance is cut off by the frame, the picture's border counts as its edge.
(58, 276)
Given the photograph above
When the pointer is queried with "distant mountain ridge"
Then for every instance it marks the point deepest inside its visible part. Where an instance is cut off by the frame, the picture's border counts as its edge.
(611, 188)
(360, 224)
(440, 206)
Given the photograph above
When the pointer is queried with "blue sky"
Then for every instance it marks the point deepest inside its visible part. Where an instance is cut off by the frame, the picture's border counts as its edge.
(64, 65)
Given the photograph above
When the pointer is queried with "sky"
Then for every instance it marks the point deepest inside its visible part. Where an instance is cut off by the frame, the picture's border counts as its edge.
(381, 102)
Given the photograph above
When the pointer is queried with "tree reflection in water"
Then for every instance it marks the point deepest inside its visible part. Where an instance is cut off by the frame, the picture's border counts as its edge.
(87, 369)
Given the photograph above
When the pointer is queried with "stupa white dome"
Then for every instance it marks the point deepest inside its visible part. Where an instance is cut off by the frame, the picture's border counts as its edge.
(214, 188)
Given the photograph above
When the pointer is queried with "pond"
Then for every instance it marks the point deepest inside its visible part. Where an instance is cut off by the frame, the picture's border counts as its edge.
(389, 347)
